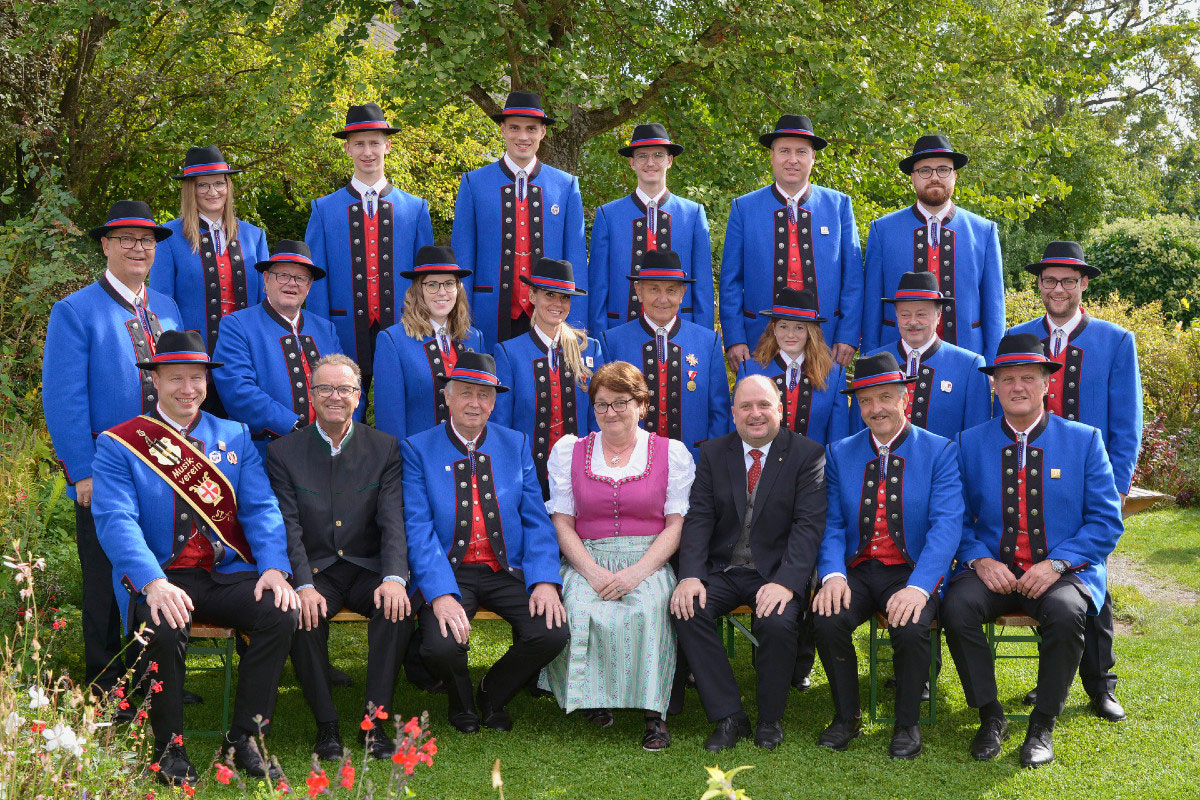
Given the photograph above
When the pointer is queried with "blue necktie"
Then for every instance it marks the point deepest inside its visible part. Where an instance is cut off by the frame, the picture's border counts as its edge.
(443, 342)
(370, 198)
(883, 457)
(521, 186)
(914, 358)
(1021, 451)
(661, 340)
(794, 377)
(933, 233)
(218, 245)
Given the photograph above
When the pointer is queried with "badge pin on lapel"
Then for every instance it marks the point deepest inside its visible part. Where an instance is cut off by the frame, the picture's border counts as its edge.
(947, 386)
(554, 209)
(1055, 473)
(824, 230)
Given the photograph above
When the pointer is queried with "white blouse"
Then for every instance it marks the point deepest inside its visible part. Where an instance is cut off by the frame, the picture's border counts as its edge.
(681, 470)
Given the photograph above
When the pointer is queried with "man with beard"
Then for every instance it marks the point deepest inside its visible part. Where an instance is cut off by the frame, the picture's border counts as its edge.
(934, 235)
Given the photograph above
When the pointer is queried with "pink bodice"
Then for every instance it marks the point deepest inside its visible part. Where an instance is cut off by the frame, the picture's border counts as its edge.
(630, 506)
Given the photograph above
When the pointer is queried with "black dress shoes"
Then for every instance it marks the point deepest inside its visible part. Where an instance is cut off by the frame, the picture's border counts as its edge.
(1030, 697)
(1038, 747)
(803, 684)
(328, 746)
(465, 722)
(491, 716)
(192, 699)
(727, 733)
(986, 744)
(249, 760)
(174, 766)
(840, 733)
(379, 741)
(768, 735)
(1106, 706)
(906, 741)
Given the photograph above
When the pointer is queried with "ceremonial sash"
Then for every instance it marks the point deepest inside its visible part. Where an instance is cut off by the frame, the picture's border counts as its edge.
(194, 478)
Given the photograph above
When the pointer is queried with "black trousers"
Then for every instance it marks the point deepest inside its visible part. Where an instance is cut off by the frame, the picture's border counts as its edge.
(229, 602)
(776, 655)
(872, 584)
(806, 645)
(345, 585)
(103, 637)
(1095, 668)
(1060, 613)
(534, 645)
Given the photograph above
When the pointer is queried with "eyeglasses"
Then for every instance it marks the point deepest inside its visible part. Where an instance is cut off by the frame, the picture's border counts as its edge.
(1047, 282)
(927, 172)
(324, 390)
(284, 278)
(434, 287)
(642, 158)
(618, 406)
(216, 187)
(127, 242)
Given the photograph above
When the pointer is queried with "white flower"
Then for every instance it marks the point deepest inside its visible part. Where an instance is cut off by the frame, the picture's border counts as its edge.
(38, 697)
(62, 737)
(13, 723)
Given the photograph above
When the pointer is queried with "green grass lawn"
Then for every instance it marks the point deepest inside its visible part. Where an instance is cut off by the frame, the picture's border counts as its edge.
(1154, 754)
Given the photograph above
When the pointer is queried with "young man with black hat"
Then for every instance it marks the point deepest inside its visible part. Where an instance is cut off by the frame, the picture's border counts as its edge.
(184, 511)
(651, 218)
(1042, 516)
(365, 234)
(1101, 385)
(892, 526)
(960, 249)
(90, 381)
(509, 214)
(791, 234)
(269, 350)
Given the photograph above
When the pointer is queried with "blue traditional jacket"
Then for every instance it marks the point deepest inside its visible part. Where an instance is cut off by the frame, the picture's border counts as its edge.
(822, 415)
(408, 398)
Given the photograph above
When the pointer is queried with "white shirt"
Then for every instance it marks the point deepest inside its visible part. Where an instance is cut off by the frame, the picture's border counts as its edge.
(550, 343)
(516, 170)
(440, 331)
(763, 448)
(293, 321)
(920, 351)
(795, 198)
(1028, 430)
(213, 226)
(681, 470)
(1063, 332)
(793, 366)
(930, 216)
(181, 429)
(362, 188)
(123, 290)
(335, 449)
(462, 438)
(647, 199)
(654, 326)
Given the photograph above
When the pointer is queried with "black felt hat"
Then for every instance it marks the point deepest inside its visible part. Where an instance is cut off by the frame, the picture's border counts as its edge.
(661, 265)
(652, 134)
(933, 145)
(919, 286)
(523, 104)
(553, 275)
(794, 304)
(204, 161)
(179, 347)
(793, 125)
(472, 367)
(368, 117)
(1063, 254)
(290, 251)
(130, 214)
(1018, 349)
(435, 260)
(877, 370)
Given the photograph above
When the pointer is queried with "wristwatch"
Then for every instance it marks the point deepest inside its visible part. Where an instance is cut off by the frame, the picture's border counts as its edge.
(1059, 565)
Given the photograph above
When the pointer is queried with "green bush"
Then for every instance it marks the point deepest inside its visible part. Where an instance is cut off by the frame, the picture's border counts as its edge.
(1148, 260)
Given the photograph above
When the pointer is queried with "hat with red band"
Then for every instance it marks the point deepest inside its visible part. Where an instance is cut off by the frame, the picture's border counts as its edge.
(130, 214)
(794, 304)
(553, 275)
(523, 104)
(793, 125)
(477, 368)
(368, 117)
(179, 347)
(204, 161)
(653, 134)
(1064, 254)
(434, 260)
(880, 369)
(917, 286)
(661, 265)
(290, 251)
(932, 145)
(1021, 349)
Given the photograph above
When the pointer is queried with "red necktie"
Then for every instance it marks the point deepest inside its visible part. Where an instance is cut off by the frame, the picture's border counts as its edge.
(755, 471)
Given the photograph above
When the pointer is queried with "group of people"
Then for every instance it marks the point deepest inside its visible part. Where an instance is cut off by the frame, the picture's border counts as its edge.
(555, 441)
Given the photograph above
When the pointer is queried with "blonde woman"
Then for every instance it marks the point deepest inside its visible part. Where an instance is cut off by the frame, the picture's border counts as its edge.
(410, 356)
(548, 368)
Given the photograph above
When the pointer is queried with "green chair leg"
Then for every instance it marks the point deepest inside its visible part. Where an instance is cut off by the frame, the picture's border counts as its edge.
(878, 639)
(995, 637)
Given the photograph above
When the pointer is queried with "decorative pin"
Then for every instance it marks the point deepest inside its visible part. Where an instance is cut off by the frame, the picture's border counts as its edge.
(215, 456)
(947, 386)
(220, 445)
(824, 230)
(554, 209)
(447, 468)
(691, 384)
(692, 360)
(231, 457)
(588, 360)
(1055, 473)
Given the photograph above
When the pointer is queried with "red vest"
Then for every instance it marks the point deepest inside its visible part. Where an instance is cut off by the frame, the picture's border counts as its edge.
(479, 549)
(881, 548)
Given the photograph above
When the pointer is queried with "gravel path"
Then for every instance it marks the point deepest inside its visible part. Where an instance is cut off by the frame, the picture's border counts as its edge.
(1125, 571)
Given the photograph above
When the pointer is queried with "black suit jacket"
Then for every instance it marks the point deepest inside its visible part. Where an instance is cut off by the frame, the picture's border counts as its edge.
(348, 506)
(790, 510)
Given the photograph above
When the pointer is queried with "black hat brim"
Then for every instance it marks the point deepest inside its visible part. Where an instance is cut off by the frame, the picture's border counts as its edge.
(767, 139)
(206, 364)
(230, 171)
(1050, 366)
(160, 232)
(346, 134)
(412, 274)
(1087, 269)
(772, 315)
(317, 272)
(628, 150)
(576, 293)
(881, 383)
(499, 118)
(663, 280)
(907, 164)
(945, 301)
(443, 380)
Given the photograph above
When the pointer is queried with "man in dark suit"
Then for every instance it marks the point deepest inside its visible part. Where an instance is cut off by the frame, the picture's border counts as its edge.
(338, 485)
(751, 536)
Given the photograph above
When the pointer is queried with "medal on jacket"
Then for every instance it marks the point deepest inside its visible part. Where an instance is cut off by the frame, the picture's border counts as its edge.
(691, 384)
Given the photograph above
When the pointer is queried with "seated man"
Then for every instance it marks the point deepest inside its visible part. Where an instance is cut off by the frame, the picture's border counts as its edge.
(751, 535)
(1042, 516)
(186, 515)
(893, 523)
(338, 485)
(479, 536)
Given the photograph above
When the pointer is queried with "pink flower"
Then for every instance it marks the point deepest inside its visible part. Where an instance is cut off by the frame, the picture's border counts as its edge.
(224, 773)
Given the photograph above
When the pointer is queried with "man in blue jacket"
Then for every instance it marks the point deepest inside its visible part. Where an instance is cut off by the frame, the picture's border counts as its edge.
(509, 214)
(796, 234)
(960, 249)
(1042, 516)
(892, 526)
(90, 382)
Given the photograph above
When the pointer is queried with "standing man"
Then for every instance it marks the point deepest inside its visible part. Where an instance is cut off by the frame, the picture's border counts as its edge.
(751, 535)
(511, 213)
(479, 536)
(1042, 516)
(649, 219)
(948, 393)
(184, 511)
(960, 249)
(1100, 386)
(791, 234)
(270, 350)
(890, 536)
(338, 485)
(91, 381)
(365, 234)
(689, 392)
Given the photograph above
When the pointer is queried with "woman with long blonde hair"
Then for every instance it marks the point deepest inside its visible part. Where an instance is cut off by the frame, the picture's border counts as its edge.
(410, 356)
(548, 368)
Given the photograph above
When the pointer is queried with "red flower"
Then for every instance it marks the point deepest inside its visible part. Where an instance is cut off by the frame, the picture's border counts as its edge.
(155, 767)
(119, 691)
(189, 790)
(431, 746)
(178, 740)
(366, 724)
(413, 728)
(316, 783)
(224, 773)
(124, 704)
(282, 788)
(155, 686)
(348, 775)
(59, 624)
(381, 714)
(409, 757)
(154, 666)
(38, 726)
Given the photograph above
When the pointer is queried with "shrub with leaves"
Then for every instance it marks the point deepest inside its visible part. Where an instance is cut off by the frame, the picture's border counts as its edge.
(1149, 260)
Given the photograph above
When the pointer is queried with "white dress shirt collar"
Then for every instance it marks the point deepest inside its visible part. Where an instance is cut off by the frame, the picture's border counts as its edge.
(362, 188)
(795, 198)
(939, 215)
(762, 448)
(126, 294)
(647, 199)
(1068, 327)
(655, 326)
(888, 444)
(514, 169)
(180, 429)
(546, 340)
(213, 224)
(462, 438)
(1028, 430)
(908, 351)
